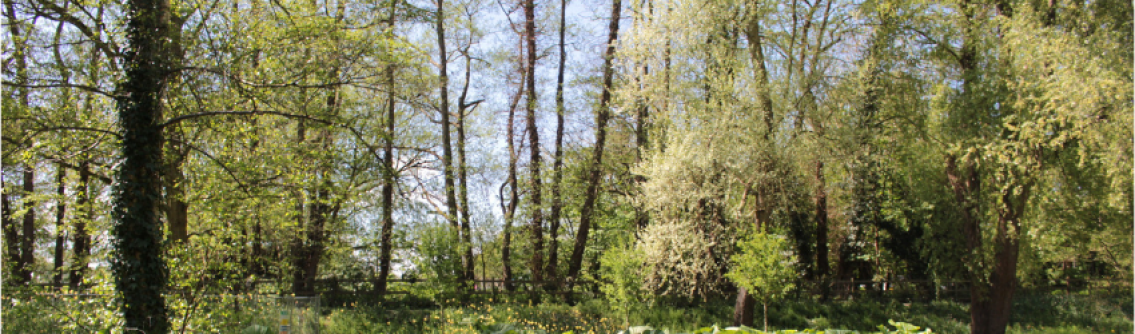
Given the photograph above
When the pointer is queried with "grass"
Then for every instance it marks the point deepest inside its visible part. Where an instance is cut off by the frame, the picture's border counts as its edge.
(1035, 313)
(1054, 314)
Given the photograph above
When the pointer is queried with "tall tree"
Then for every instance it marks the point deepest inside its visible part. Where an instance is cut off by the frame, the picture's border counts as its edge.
(27, 231)
(22, 242)
(1008, 122)
(558, 158)
(537, 225)
(11, 237)
(512, 179)
(60, 235)
(389, 175)
(463, 108)
(586, 213)
(80, 238)
(139, 271)
(443, 100)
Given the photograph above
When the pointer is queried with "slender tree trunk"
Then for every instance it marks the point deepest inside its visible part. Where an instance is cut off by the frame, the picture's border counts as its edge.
(300, 246)
(513, 184)
(462, 175)
(446, 142)
(642, 218)
(27, 237)
(821, 201)
(25, 240)
(11, 236)
(177, 210)
(388, 173)
(762, 210)
(586, 212)
(61, 175)
(60, 230)
(81, 240)
(558, 158)
(389, 179)
(537, 226)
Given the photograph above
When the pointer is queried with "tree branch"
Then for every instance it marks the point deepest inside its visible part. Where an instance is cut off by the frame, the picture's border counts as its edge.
(106, 47)
(91, 89)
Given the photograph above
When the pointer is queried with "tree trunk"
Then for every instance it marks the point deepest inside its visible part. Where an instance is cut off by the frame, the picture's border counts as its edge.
(586, 212)
(388, 174)
(991, 303)
(320, 212)
(60, 231)
(558, 159)
(537, 226)
(139, 271)
(11, 236)
(389, 178)
(743, 308)
(21, 242)
(177, 210)
(27, 235)
(81, 240)
(514, 195)
(462, 176)
(446, 142)
(821, 200)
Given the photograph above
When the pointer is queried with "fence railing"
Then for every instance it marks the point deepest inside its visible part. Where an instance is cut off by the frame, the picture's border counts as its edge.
(839, 289)
(950, 290)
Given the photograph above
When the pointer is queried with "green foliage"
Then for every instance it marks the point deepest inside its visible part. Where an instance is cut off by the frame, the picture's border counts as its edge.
(622, 276)
(764, 266)
(438, 258)
(899, 328)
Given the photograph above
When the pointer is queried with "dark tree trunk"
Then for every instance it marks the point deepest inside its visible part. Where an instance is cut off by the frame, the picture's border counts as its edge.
(588, 209)
(446, 141)
(139, 271)
(27, 235)
(462, 174)
(11, 236)
(311, 241)
(387, 186)
(743, 308)
(81, 240)
(557, 160)
(60, 230)
(388, 174)
(992, 301)
(537, 226)
(513, 184)
(821, 201)
(991, 296)
(177, 210)
(309, 244)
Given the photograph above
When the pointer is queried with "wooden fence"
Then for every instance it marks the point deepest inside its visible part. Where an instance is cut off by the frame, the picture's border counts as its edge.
(913, 290)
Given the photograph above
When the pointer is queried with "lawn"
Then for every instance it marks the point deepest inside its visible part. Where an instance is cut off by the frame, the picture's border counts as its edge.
(1034, 313)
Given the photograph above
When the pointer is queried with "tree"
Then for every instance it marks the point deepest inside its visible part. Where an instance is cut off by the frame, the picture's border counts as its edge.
(760, 267)
(139, 271)
(537, 225)
(558, 157)
(511, 181)
(60, 213)
(389, 175)
(603, 115)
(1004, 127)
